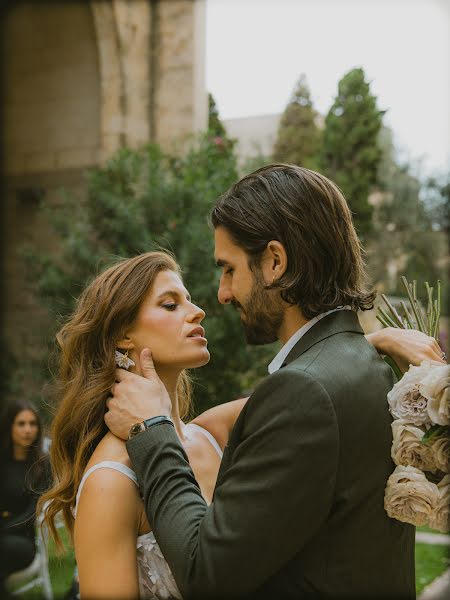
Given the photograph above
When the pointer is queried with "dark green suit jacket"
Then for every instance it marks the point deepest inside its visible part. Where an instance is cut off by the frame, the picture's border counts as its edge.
(298, 506)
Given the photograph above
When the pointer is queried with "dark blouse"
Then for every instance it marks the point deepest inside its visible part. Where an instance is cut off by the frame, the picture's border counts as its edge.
(17, 499)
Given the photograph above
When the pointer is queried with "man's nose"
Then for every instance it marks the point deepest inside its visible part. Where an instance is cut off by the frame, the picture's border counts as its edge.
(224, 294)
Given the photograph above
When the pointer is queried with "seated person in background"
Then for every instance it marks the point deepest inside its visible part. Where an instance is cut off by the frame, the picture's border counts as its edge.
(25, 475)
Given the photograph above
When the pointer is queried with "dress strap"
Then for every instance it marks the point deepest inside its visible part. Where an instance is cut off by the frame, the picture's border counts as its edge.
(208, 435)
(105, 464)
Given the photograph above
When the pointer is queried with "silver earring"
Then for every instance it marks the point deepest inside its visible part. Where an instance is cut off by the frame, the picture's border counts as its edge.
(123, 360)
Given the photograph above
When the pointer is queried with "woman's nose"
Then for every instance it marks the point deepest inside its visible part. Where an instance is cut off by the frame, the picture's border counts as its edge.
(198, 314)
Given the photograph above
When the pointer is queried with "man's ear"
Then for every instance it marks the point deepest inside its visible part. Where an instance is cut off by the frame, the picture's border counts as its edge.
(274, 261)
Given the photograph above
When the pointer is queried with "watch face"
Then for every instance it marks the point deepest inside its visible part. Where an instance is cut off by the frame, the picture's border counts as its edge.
(136, 428)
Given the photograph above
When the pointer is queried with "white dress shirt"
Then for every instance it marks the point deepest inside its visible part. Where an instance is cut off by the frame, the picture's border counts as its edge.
(282, 354)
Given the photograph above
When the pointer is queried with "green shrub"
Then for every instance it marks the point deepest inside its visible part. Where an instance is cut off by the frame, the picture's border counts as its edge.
(143, 200)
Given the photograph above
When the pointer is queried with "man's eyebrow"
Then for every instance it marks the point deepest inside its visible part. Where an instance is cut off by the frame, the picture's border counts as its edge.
(220, 262)
(176, 293)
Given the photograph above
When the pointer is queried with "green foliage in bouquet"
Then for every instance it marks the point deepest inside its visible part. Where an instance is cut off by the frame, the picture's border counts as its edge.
(144, 200)
(414, 317)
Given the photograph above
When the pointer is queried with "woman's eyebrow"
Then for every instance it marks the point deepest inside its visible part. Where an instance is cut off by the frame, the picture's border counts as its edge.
(176, 293)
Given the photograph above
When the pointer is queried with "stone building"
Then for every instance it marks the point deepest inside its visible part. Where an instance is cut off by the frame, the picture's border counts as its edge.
(80, 80)
(256, 135)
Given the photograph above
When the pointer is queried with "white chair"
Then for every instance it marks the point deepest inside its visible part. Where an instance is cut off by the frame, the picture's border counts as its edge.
(37, 572)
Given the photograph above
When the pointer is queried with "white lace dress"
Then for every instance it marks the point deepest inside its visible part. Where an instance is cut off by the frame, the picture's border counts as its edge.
(156, 581)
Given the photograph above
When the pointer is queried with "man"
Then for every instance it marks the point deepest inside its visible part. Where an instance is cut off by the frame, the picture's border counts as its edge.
(298, 505)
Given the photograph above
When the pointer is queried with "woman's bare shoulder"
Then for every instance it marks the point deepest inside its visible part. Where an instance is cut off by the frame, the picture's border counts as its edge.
(220, 420)
(110, 448)
(109, 494)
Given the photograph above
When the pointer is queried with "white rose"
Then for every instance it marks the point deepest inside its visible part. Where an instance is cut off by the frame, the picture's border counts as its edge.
(409, 496)
(405, 399)
(407, 448)
(440, 449)
(440, 516)
(435, 387)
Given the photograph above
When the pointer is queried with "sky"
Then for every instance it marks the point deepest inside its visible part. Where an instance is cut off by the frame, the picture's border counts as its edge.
(257, 49)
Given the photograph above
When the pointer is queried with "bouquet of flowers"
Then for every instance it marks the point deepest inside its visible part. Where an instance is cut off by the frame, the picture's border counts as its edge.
(418, 491)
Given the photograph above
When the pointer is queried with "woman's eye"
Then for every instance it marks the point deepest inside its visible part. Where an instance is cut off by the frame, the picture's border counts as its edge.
(170, 306)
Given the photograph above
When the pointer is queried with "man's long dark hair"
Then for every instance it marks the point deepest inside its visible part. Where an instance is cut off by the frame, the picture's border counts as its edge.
(35, 454)
(309, 215)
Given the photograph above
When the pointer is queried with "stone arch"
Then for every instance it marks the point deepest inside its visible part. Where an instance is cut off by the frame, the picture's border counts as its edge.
(49, 56)
(50, 125)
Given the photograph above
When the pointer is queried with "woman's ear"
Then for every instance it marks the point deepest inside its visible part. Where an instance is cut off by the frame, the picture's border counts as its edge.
(125, 343)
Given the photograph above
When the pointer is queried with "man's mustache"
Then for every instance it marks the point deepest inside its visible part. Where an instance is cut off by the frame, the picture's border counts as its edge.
(237, 304)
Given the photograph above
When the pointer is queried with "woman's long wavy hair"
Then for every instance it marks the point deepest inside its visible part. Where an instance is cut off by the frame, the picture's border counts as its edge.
(106, 309)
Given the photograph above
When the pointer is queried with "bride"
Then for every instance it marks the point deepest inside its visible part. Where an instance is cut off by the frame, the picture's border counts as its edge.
(137, 303)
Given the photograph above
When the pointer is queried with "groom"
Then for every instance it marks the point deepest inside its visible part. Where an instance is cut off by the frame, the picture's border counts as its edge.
(298, 505)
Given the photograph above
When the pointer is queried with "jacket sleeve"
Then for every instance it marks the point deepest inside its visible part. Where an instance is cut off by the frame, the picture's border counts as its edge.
(271, 500)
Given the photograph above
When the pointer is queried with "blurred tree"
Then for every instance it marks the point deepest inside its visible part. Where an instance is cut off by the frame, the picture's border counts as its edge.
(143, 200)
(217, 134)
(252, 163)
(299, 137)
(215, 125)
(350, 150)
(405, 239)
(437, 200)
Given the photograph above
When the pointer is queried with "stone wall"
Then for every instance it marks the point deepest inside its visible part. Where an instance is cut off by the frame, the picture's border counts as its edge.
(81, 80)
(51, 91)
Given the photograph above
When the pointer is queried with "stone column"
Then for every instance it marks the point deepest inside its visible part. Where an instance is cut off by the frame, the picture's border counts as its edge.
(180, 98)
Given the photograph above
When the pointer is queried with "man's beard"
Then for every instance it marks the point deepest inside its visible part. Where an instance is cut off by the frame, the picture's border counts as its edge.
(261, 316)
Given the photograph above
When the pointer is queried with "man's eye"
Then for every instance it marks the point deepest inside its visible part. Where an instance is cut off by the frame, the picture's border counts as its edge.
(228, 271)
(170, 306)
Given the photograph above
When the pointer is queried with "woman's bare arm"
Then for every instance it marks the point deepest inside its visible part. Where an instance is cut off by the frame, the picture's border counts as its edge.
(405, 346)
(106, 529)
(220, 420)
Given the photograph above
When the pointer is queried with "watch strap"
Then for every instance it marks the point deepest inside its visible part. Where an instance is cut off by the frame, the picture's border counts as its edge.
(147, 423)
(157, 421)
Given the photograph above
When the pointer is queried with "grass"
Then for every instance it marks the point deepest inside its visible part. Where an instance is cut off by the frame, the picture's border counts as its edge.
(431, 561)
(61, 571)
(426, 529)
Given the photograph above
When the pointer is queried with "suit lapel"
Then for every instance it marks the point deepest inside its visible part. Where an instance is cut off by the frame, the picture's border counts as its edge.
(336, 322)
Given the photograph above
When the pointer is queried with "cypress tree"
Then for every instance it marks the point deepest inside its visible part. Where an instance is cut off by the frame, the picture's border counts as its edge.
(215, 125)
(351, 151)
(298, 140)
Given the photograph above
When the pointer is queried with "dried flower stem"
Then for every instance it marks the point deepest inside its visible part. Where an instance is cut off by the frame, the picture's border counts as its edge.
(411, 290)
(408, 318)
(426, 323)
(394, 314)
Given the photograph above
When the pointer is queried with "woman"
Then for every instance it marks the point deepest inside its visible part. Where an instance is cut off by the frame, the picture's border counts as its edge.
(137, 303)
(25, 474)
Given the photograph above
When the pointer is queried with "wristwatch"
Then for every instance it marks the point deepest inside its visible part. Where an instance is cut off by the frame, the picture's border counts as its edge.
(147, 423)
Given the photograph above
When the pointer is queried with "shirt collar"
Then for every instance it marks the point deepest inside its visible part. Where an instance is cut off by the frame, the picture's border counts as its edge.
(282, 354)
